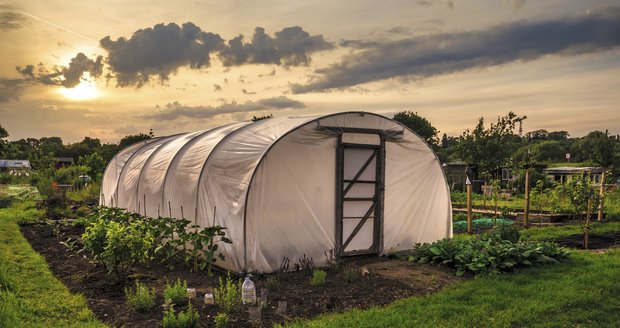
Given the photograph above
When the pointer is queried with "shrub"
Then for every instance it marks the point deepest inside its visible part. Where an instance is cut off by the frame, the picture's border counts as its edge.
(140, 299)
(509, 232)
(177, 293)
(184, 319)
(486, 255)
(125, 247)
(350, 274)
(318, 278)
(221, 320)
(228, 295)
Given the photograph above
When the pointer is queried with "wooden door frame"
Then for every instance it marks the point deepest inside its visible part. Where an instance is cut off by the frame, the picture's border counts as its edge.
(378, 201)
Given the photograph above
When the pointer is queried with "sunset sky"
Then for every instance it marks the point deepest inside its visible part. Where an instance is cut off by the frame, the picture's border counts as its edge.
(106, 69)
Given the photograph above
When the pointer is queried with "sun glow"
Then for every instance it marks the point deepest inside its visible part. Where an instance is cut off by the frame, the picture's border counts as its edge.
(84, 91)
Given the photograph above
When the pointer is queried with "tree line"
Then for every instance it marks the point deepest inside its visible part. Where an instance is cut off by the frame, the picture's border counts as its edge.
(488, 147)
(502, 144)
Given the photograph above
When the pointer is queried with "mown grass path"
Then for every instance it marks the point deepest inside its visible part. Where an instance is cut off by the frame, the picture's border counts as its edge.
(30, 296)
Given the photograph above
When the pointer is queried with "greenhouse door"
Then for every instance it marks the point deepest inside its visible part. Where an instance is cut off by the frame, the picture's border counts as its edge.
(359, 192)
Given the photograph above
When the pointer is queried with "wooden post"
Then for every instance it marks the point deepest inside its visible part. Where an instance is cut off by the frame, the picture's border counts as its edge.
(602, 193)
(526, 208)
(469, 191)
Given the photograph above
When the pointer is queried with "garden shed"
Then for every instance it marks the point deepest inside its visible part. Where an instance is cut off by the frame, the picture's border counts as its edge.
(348, 184)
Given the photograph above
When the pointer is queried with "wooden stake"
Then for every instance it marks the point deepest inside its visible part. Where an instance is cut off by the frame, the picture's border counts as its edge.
(602, 193)
(526, 208)
(469, 191)
(169, 210)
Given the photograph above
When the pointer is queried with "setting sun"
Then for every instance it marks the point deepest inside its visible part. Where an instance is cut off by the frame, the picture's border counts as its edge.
(84, 91)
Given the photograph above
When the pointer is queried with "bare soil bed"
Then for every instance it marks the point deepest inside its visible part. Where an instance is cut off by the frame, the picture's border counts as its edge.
(386, 281)
(601, 241)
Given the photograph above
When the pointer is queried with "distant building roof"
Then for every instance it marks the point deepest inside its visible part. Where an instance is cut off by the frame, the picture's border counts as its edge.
(14, 163)
(573, 170)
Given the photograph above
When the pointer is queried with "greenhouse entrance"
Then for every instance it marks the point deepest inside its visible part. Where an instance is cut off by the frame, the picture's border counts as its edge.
(360, 171)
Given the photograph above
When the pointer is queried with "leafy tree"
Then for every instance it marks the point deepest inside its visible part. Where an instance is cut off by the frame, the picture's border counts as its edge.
(584, 198)
(258, 118)
(3, 135)
(419, 125)
(597, 147)
(550, 151)
(135, 138)
(491, 148)
(94, 164)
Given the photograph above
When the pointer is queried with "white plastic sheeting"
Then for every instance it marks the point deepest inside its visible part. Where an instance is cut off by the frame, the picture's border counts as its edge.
(272, 184)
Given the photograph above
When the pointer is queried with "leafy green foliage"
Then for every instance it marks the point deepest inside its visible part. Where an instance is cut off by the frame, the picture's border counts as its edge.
(121, 239)
(118, 245)
(419, 125)
(509, 232)
(140, 298)
(184, 319)
(318, 278)
(486, 254)
(228, 295)
(491, 148)
(177, 293)
(481, 224)
(221, 320)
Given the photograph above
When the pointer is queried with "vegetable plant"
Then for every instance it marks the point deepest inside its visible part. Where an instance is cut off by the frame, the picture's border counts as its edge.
(318, 278)
(140, 298)
(177, 293)
(228, 295)
(487, 254)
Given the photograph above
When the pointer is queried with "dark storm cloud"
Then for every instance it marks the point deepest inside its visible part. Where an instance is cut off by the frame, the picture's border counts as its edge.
(422, 57)
(11, 89)
(11, 20)
(67, 76)
(290, 47)
(159, 52)
(175, 110)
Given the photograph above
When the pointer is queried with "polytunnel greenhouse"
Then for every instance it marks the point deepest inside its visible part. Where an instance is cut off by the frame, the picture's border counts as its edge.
(351, 183)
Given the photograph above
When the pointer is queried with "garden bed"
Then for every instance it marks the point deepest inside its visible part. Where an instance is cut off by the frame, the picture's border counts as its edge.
(595, 241)
(387, 281)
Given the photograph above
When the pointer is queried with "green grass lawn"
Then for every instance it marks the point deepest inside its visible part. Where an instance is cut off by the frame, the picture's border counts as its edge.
(30, 296)
(555, 232)
(582, 292)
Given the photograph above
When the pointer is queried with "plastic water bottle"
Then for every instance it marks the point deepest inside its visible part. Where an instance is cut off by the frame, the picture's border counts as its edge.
(248, 291)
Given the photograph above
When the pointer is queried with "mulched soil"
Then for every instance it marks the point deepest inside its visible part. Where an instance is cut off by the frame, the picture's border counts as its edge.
(602, 241)
(387, 280)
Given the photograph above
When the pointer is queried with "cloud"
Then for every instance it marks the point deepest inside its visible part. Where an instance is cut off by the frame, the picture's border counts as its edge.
(11, 20)
(175, 110)
(11, 89)
(67, 76)
(159, 52)
(427, 56)
(290, 47)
